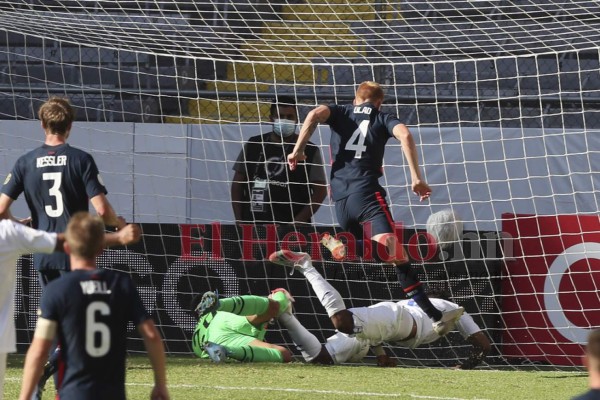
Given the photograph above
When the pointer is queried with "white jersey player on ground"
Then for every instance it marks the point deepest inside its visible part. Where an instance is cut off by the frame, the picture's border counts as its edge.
(401, 323)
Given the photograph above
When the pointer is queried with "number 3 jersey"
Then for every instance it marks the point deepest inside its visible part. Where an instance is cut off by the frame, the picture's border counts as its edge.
(92, 309)
(58, 181)
(359, 134)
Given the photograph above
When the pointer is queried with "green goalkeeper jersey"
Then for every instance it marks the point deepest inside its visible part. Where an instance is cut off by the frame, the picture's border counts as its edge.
(226, 329)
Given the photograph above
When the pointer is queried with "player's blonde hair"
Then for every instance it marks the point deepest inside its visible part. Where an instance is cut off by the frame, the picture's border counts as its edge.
(369, 91)
(85, 235)
(57, 115)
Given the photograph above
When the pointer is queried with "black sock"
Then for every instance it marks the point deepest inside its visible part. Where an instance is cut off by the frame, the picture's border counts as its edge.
(413, 289)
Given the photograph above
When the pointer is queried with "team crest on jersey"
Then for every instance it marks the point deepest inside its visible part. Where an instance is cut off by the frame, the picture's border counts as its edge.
(7, 178)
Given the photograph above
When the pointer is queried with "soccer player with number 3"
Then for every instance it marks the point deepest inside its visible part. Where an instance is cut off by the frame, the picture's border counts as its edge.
(359, 133)
(58, 180)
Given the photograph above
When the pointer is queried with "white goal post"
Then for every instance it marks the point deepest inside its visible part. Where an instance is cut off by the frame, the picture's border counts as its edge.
(502, 97)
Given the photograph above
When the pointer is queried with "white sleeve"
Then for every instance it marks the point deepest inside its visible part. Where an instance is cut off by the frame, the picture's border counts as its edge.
(29, 240)
(466, 326)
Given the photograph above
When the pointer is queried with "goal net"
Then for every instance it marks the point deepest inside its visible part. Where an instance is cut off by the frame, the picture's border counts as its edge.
(502, 98)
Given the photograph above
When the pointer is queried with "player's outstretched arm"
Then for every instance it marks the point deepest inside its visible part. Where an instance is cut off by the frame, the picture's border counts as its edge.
(129, 234)
(383, 359)
(419, 186)
(314, 118)
(106, 211)
(156, 354)
(481, 348)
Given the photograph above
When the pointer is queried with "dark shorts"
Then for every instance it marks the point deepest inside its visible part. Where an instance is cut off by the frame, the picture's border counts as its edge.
(48, 275)
(364, 211)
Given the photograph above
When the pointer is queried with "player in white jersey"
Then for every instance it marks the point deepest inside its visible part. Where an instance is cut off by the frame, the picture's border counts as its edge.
(15, 240)
(401, 323)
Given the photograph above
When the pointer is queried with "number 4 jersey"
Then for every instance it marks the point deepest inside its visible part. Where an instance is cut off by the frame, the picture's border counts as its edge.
(58, 181)
(92, 309)
(359, 134)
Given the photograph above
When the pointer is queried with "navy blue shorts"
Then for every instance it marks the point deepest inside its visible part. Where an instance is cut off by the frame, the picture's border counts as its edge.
(360, 211)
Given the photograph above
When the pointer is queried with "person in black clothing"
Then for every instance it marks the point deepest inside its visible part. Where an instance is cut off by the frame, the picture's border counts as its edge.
(359, 133)
(591, 360)
(263, 190)
(88, 310)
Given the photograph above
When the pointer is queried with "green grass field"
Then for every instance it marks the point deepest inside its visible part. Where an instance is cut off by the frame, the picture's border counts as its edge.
(191, 378)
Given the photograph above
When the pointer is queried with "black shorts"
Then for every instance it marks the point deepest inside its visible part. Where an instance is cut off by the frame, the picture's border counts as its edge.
(364, 211)
(48, 275)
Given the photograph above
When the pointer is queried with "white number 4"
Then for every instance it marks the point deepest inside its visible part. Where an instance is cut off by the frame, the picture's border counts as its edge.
(357, 140)
(56, 178)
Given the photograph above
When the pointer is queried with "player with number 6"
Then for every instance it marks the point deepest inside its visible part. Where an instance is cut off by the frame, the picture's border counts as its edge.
(88, 310)
(359, 133)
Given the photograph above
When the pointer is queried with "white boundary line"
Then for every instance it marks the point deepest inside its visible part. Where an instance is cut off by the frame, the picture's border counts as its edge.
(289, 390)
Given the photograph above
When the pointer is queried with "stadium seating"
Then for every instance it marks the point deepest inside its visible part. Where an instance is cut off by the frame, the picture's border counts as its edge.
(315, 32)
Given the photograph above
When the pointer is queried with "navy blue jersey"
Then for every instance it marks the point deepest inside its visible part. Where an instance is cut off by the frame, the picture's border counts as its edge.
(92, 309)
(592, 394)
(58, 181)
(358, 138)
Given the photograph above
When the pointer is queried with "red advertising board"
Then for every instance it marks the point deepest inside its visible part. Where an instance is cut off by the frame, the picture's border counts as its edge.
(551, 286)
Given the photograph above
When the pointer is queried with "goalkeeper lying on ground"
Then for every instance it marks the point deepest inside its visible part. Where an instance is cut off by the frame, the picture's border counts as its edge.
(235, 327)
(401, 323)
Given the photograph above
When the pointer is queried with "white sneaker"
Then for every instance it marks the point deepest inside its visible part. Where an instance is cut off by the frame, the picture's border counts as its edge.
(290, 259)
(449, 318)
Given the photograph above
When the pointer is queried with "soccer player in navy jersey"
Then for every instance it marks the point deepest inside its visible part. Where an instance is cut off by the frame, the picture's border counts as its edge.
(88, 310)
(15, 240)
(359, 133)
(58, 180)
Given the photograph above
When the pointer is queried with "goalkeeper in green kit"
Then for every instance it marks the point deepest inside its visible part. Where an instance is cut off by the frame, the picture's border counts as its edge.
(235, 327)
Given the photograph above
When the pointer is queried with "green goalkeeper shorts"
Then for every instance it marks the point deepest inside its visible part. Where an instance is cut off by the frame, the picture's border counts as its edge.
(226, 329)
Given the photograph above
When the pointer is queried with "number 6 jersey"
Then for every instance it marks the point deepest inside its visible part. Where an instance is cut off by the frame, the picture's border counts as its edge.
(359, 134)
(92, 310)
(58, 181)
